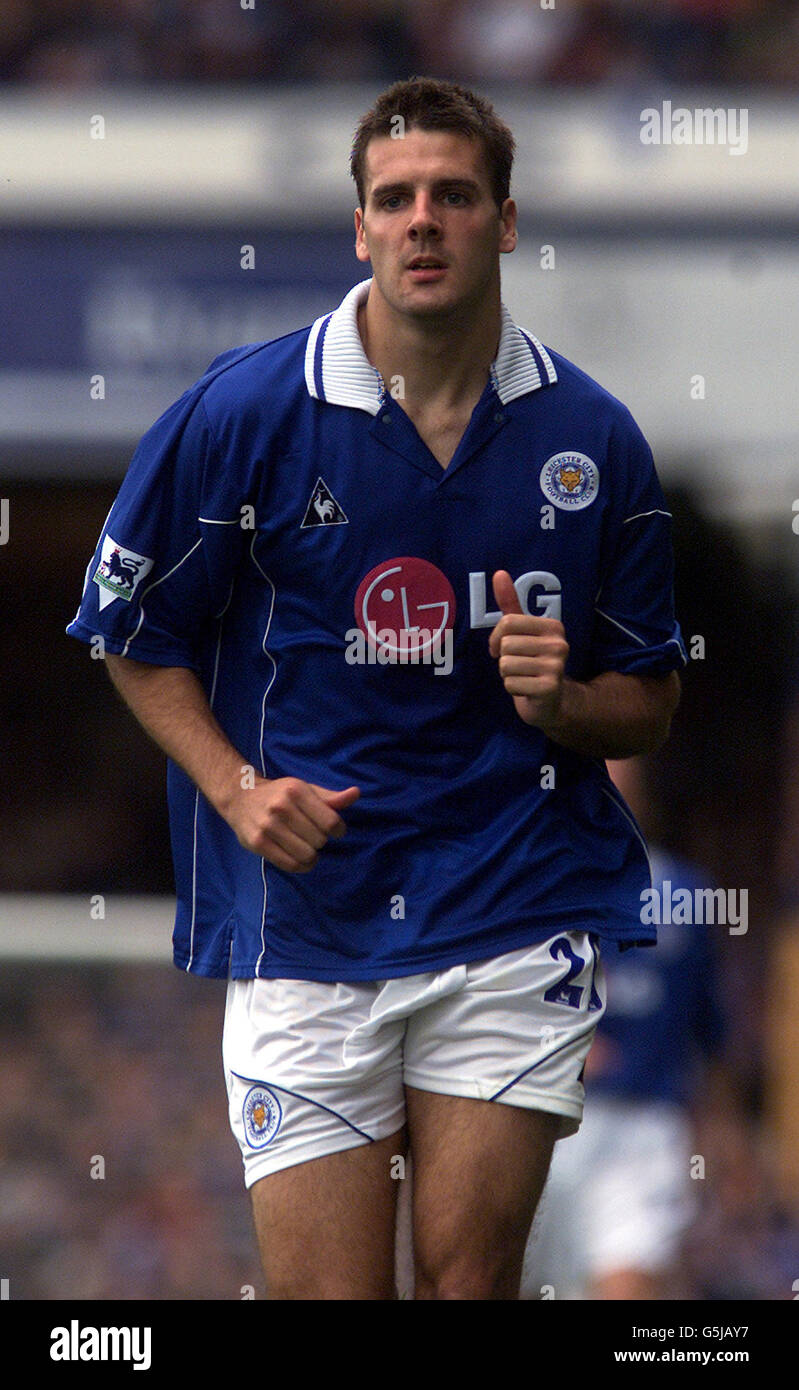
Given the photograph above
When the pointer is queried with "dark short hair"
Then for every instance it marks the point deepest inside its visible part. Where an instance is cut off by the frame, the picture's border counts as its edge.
(428, 103)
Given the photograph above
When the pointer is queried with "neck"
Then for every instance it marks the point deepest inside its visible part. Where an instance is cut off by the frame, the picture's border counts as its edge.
(444, 360)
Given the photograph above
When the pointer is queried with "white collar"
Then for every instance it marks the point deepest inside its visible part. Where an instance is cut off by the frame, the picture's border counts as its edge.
(337, 369)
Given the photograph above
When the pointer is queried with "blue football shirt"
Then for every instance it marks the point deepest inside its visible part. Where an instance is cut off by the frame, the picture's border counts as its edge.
(284, 531)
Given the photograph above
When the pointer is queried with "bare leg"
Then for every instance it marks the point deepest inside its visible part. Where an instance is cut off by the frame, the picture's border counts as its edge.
(325, 1228)
(479, 1168)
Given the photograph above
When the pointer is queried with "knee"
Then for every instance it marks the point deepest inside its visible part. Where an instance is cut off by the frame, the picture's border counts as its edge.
(331, 1284)
(469, 1276)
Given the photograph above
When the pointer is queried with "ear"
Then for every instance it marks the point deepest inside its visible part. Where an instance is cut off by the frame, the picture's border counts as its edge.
(508, 236)
(361, 249)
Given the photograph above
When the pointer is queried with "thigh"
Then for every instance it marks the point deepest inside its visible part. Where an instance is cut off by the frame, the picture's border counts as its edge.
(326, 1227)
(478, 1172)
(316, 1103)
(493, 1076)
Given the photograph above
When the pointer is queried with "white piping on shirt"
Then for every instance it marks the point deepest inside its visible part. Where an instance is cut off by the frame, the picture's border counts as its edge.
(154, 585)
(271, 583)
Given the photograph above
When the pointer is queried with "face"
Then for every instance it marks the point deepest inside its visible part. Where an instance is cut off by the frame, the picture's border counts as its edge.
(430, 226)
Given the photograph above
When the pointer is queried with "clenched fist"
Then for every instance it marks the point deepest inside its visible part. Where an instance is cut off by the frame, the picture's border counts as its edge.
(288, 821)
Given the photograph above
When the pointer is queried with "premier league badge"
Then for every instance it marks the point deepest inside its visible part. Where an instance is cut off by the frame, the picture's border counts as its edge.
(570, 481)
(119, 572)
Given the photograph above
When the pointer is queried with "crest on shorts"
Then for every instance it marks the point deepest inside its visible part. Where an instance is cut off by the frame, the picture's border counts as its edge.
(570, 481)
(119, 572)
(262, 1114)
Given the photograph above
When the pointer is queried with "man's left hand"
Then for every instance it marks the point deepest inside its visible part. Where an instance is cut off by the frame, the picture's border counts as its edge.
(532, 654)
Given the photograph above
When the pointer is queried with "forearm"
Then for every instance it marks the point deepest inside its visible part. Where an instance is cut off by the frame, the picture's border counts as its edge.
(171, 705)
(613, 715)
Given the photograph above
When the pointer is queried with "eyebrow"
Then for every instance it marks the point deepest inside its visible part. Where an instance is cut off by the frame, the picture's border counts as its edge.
(382, 190)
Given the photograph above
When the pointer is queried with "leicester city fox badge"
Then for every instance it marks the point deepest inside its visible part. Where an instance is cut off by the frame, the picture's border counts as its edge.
(262, 1114)
(570, 481)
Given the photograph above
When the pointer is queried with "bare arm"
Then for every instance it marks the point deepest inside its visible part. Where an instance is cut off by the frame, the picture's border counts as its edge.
(285, 820)
(614, 716)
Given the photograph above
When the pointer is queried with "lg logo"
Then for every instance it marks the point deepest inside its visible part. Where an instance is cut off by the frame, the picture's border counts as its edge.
(405, 607)
(546, 604)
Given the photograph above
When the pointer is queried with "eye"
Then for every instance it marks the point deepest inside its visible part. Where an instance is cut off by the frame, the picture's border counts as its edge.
(455, 197)
(393, 200)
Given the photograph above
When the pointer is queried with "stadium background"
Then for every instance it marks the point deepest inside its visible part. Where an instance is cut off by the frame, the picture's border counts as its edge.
(142, 151)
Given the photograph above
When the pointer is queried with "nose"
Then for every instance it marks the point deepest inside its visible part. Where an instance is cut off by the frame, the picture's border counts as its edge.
(424, 219)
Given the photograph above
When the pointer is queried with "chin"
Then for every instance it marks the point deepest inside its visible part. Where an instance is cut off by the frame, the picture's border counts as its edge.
(431, 300)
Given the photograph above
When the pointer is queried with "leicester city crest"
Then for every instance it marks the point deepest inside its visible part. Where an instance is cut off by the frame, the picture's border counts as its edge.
(262, 1115)
(570, 481)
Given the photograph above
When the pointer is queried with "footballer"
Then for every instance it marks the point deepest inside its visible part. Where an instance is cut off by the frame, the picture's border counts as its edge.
(407, 865)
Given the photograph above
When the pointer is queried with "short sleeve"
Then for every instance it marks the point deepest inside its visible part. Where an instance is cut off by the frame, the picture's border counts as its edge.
(171, 544)
(635, 628)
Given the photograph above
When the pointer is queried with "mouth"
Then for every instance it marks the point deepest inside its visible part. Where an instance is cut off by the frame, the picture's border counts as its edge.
(426, 268)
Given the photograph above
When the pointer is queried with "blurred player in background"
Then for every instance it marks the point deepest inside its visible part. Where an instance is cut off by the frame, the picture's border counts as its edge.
(620, 1198)
(296, 589)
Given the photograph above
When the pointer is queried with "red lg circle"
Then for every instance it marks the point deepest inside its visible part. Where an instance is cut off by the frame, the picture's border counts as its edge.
(404, 606)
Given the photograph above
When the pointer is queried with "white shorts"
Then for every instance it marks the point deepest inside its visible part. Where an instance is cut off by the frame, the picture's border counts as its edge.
(313, 1068)
(621, 1197)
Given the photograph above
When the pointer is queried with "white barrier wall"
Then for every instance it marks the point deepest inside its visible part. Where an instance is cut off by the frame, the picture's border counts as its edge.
(700, 342)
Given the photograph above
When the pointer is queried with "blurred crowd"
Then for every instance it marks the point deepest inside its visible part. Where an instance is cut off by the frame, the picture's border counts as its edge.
(79, 43)
(119, 1177)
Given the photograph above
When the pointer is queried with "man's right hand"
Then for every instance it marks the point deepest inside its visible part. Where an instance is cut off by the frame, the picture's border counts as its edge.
(288, 821)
